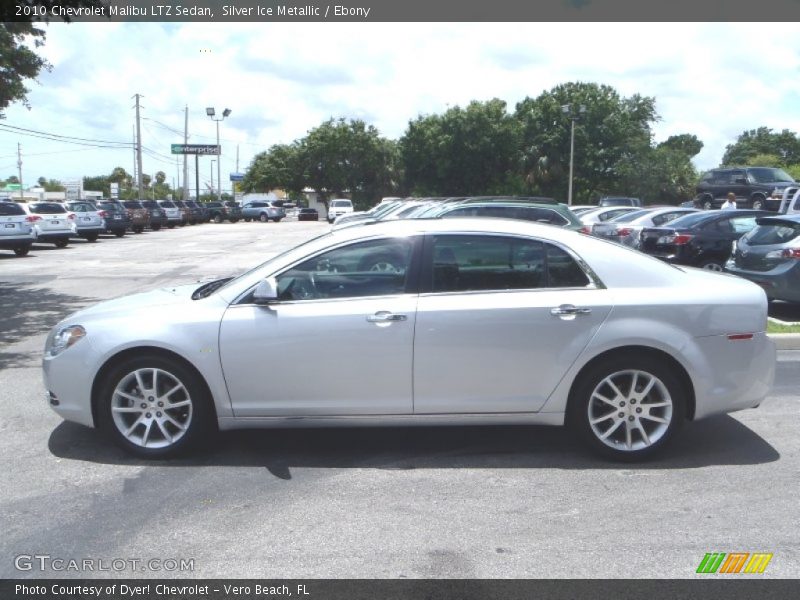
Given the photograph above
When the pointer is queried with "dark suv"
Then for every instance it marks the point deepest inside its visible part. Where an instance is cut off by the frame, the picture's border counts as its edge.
(753, 187)
(224, 211)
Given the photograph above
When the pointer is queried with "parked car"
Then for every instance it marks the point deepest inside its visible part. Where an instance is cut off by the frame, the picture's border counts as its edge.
(308, 214)
(625, 229)
(89, 220)
(263, 210)
(158, 215)
(16, 228)
(603, 214)
(622, 348)
(551, 214)
(52, 222)
(139, 215)
(769, 255)
(198, 208)
(191, 215)
(619, 201)
(117, 219)
(790, 201)
(175, 216)
(367, 215)
(224, 211)
(338, 206)
(702, 239)
(753, 187)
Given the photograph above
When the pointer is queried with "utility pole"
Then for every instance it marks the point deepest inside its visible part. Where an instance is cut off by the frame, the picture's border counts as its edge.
(138, 148)
(133, 133)
(19, 168)
(185, 163)
(233, 183)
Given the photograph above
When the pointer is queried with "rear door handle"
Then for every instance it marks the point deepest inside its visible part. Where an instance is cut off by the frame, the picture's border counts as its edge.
(569, 309)
(386, 317)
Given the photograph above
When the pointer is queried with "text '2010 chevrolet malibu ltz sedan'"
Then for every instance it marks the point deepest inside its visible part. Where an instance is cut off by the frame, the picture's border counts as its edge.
(457, 321)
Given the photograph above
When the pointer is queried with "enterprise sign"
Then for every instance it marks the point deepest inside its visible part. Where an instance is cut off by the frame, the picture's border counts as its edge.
(195, 149)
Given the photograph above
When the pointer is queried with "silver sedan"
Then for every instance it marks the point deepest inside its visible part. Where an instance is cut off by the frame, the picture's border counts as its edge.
(446, 322)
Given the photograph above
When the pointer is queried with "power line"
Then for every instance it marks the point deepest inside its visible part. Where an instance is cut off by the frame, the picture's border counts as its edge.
(63, 138)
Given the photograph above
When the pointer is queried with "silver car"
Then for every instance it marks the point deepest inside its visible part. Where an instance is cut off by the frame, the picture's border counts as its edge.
(625, 229)
(89, 220)
(52, 222)
(478, 321)
(16, 228)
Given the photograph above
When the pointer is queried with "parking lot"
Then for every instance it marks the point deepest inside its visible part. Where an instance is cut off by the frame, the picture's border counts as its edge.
(433, 502)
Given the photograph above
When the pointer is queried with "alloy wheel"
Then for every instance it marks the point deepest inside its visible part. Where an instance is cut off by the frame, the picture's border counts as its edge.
(630, 410)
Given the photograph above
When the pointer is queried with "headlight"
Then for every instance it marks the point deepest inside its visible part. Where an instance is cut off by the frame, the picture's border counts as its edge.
(66, 337)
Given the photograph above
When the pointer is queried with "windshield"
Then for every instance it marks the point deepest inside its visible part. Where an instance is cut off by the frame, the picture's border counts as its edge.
(631, 216)
(691, 220)
(48, 209)
(9, 208)
(340, 203)
(767, 175)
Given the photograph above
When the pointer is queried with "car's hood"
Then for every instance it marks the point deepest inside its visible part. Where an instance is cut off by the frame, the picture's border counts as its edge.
(139, 302)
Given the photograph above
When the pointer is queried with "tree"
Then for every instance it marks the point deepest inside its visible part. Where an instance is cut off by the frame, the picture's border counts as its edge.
(279, 167)
(50, 185)
(18, 62)
(685, 143)
(611, 132)
(465, 151)
(785, 145)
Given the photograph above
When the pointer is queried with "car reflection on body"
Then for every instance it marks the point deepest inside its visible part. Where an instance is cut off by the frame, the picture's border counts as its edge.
(455, 321)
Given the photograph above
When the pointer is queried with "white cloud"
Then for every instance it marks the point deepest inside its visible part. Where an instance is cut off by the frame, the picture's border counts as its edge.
(714, 80)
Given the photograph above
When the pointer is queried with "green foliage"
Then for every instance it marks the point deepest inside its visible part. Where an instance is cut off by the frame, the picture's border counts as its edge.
(610, 132)
(280, 167)
(685, 143)
(18, 62)
(50, 185)
(660, 175)
(763, 141)
(465, 151)
(127, 187)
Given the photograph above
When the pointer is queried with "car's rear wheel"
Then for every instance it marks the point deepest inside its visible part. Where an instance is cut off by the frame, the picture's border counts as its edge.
(22, 250)
(707, 204)
(61, 243)
(627, 407)
(155, 227)
(155, 407)
(758, 202)
(171, 226)
(119, 232)
(91, 237)
(217, 218)
(247, 219)
(138, 229)
(263, 217)
(712, 265)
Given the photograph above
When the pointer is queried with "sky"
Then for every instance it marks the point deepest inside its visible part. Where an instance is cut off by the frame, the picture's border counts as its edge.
(280, 80)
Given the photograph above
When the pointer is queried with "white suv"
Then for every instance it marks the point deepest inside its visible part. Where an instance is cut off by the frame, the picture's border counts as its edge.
(337, 207)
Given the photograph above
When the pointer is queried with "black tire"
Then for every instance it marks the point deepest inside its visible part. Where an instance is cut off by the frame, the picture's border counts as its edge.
(234, 220)
(263, 217)
(247, 219)
(155, 227)
(217, 218)
(198, 417)
(61, 243)
(91, 237)
(278, 220)
(712, 264)
(758, 202)
(22, 250)
(707, 204)
(171, 226)
(585, 406)
(119, 233)
(138, 229)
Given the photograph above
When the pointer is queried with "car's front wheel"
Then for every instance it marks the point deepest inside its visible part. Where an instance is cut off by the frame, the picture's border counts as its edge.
(712, 265)
(628, 407)
(61, 242)
(155, 407)
(22, 250)
(218, 218)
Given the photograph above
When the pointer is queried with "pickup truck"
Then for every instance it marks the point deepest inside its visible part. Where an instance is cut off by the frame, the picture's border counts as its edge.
(224, 211)
(262, 210)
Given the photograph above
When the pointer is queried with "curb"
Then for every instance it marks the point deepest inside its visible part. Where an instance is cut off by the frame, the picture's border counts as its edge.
(785, 341)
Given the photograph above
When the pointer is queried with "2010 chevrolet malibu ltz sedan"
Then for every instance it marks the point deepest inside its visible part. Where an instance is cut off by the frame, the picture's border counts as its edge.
(455, 321)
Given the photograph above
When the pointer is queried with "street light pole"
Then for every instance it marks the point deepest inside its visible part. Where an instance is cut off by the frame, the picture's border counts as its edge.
(567, 109)
(211, 112)
(212, 178)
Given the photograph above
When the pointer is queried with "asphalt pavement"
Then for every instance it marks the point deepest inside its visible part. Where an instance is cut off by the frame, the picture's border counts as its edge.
(508, 502)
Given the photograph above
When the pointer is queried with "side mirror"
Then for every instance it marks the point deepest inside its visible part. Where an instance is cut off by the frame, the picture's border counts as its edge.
(266, 291)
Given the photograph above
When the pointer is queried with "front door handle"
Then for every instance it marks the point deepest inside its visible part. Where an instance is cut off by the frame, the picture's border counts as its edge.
(569, 309)
(386, 317)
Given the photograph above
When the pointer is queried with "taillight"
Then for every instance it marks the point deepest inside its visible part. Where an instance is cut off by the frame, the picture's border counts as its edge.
(791, 253)
(678, 240)
(102, 214)
(623, 231)
(585, 229)
(33, 218)
(71, 216)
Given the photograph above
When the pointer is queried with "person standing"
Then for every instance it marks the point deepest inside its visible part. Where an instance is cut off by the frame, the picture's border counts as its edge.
(730, 203)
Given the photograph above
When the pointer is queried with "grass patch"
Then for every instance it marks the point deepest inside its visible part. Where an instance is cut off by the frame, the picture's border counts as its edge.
(773, 327)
